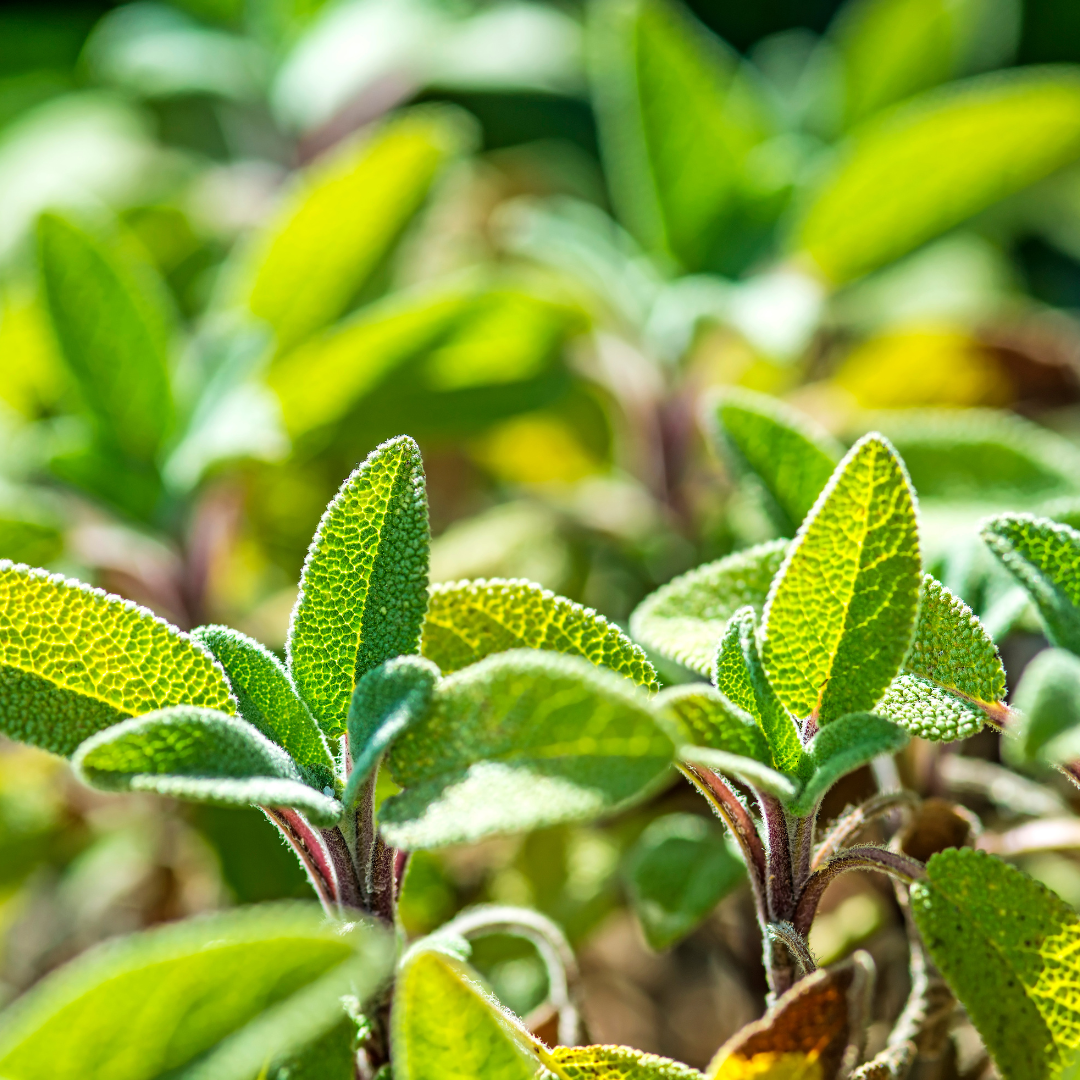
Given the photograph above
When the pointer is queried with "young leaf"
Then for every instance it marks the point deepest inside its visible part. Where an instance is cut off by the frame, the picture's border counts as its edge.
(841, 611)
(923, 167)
(1045, 558)
(114, 333)
(521, 740)
(613, 1063)
(679, 869)
(789, 454)
(363, 589)
(74, 660)
(746, 769)
(468, 620)
(684, 619)
(268, 700)
(1010, 950)
(1047, 707)
(246, 987)
(705, 717)
(200, 755)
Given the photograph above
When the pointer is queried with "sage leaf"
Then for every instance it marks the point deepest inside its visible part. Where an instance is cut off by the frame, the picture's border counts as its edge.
(840, 614)
(468, 620)
(1044, 557)
(200, 755)
(244, 988)
(613, 1063)
(330, 1057)
(363, 588)
(1047, 709)
(269, 701)
(684, 619)
(705, 717)
(521, 740)
(1010, 950)
(746, 769)
(74, 660)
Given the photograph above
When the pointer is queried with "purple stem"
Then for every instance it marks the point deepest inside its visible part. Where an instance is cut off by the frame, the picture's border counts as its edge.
(778, 879)
(850, 824)
(310, 850)
(349, 892)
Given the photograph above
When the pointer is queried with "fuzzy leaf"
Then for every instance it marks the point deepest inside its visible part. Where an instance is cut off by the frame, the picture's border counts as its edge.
(1010, 950)
(1045, 558)
(113, 332)
(745, 769)
(363, 589)
(789, 454)
(1047, 706)
(74, 660)
(468, 620)
(268, 700)
(841, 611)
(521, 740)
(614, 1063)
(200, 755)
(684, 619)
(705, 717)
(244, 988)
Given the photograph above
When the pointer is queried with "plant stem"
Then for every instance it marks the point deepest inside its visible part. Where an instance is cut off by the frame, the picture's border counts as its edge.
(349, 894)
(312, 853)
(779, 886)
(849, 825)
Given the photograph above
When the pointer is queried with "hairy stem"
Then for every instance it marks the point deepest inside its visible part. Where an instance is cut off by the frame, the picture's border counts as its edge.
(847, 827)
(786, 934)
(311, 851)
(779, 886)
(349, 894)
(381, 881)
(801, 831)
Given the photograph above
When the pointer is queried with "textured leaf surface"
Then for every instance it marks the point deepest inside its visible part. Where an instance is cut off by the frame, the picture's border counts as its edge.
(840, 614)
(1045, 558)
(924, 167)
(268, 700)
(249, 985)
(705, 717)
(468, 620)
(791, 456)
(74, 660)
(113, 332)
(1047, 704)
(520, 740)
(615, 1063)
(684, 619)
(1010, 950)
(203, 756)
(363, 589)
(679, 869)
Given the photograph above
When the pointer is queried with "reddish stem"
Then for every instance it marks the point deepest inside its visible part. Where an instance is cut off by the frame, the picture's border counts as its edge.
(311, 852)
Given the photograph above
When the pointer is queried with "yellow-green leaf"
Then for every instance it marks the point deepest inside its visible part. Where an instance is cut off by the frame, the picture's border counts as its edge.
(613, 1063)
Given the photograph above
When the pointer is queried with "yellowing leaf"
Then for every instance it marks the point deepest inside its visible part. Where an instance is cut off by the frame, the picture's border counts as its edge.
(613, 1063)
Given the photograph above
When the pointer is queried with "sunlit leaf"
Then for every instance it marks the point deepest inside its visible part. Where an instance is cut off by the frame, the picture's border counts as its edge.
(707, 718)
(614, 1063)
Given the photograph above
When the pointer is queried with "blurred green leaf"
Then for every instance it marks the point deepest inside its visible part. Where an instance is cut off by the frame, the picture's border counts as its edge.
(31, 530)
(615, 1063)
(222, 997)
(521, 740)
(330, 1057)
(708, 718)
(1047, 709)
(74, 660)
(132, 487)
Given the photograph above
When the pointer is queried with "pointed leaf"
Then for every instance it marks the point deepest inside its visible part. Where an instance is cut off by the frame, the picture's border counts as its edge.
(1045, 558)
(363, 589)
(1010, 950)
(705, 717)
(745, 769)
(788, 453)
(1047, 708)
(521, 740)
(74, 660)
(840, 614)
(684, 619)
(245, 987)
(613, 1063)
(269, 701)
(468, 620)
(200, 755)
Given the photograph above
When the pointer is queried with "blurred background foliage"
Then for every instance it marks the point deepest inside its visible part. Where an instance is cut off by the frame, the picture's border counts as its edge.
(243, 241)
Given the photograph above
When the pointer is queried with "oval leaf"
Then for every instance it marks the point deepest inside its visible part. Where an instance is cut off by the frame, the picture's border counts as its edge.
(705, 717)
(613, 1063)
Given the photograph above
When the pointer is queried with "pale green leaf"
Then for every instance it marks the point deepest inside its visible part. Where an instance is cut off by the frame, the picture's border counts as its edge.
(705, 717)
(268, 700)
(113, 329)
(787, 452)
(1045, 558)
(1047, 708)
(74, 660)
(746, 769)
(841, 611)
(1010, 950)
(244, 987)
(203, 756)
(614, 1063)
(684, 619)
(915, 171)
(521, 740)
(363, 589)
(468, 620)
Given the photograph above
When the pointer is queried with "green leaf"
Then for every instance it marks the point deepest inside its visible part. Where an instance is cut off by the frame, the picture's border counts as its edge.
(269, 701)
(1047, 708)
(203, 756)
(114, 330)
(245, 987)
(341, 221)
(1045, 558)
(445, 1026)
(1010, 950)
(468, 620)
(915, 171)
(74, 660)
(521, 740)
(363, 589)
(613, 1063)
(788, 453)
(705, 717)
(841, 611)
(330, 1057)
(684, 619)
